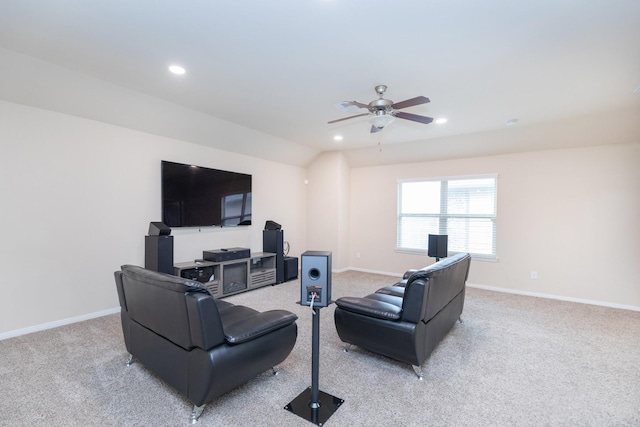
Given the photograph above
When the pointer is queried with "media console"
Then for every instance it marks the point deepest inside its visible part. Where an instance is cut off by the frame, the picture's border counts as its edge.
(224, 278)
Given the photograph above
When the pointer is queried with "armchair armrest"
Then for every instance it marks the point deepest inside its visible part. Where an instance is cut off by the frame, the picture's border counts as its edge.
(370, 307)
(255, 326)
(408, 273)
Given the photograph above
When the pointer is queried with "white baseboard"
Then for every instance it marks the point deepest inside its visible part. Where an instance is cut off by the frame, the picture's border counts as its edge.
(383, 273)
(517, 292)
(50, 325)
(556, 297)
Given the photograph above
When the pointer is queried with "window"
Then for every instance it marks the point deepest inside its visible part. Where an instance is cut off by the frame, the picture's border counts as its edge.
(464, 208)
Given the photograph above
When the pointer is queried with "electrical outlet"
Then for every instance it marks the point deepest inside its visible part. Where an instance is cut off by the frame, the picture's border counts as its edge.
(358, 255)
(534, 275)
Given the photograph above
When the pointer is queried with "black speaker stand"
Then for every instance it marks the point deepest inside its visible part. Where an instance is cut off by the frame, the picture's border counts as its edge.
(313, 404)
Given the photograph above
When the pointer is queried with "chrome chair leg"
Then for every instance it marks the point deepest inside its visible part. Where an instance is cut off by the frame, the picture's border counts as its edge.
(418, 371)
(275, 370)
(346, 348)
(197, 411)
(130, 360)
(460, 320)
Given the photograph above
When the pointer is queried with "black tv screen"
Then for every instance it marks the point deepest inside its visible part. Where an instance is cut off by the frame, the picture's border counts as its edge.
(195, 196)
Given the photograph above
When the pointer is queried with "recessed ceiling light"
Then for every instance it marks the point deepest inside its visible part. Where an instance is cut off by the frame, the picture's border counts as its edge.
(441, 120)
(176, 69)
(511, 122)
(337, 138)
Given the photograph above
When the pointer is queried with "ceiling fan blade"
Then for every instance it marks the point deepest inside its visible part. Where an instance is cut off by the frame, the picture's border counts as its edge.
(347, 118)
(357, 104)
(414, 117)
(350, 106)
(411, 102)
(375, 129)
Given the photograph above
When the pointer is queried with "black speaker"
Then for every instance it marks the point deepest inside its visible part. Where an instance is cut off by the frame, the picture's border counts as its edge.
(315, 278)
(273, 241)
(290, 268)
(272, 225)
(158, 254)
(438, 246)
(158, 229)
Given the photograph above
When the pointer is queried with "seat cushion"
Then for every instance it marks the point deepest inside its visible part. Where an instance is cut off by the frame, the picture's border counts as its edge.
(257, 325)
(373, 307)
(234, 314)
(392, 290)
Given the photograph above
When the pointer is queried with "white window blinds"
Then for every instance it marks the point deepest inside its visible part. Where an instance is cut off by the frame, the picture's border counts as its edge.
(464, 208)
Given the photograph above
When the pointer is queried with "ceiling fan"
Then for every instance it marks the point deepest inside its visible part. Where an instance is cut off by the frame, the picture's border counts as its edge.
(383, 111)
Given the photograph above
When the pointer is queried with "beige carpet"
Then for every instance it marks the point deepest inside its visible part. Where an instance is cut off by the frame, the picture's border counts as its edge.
(516, 361)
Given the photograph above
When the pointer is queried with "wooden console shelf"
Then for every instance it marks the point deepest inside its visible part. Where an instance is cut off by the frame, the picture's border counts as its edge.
(233, 276)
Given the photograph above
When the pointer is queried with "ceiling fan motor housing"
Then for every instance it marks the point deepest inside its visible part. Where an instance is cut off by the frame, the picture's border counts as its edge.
(381, 104)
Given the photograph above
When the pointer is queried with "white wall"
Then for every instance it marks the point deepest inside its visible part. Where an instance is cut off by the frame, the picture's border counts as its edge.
(572, 215)
(328, 207)
(78, 195)
(77, 198)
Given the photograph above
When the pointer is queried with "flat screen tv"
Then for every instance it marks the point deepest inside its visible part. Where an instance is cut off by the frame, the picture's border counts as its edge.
(195, 196)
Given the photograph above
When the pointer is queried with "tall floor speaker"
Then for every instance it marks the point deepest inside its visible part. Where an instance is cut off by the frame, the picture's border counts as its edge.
(273, 241)
(158, 253)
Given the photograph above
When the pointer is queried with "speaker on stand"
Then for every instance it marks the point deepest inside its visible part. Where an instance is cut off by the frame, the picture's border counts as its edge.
(315, 291)
(438, 246)
(315, 278)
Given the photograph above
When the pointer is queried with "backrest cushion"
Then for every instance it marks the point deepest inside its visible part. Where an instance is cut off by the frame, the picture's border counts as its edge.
(447, 279)
(430, 289)
(162, 303)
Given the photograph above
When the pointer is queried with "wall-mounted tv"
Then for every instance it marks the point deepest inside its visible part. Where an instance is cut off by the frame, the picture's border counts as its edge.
(195, 196)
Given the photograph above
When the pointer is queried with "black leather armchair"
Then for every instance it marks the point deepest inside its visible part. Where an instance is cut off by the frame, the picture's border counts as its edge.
(407, 320)
(200, 346)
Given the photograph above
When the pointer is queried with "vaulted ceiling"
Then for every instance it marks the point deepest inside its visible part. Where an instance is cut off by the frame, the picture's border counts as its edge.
(567, 71)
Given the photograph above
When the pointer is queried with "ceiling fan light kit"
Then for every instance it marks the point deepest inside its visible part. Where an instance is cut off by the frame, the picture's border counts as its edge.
(381, 120)
(384, 111)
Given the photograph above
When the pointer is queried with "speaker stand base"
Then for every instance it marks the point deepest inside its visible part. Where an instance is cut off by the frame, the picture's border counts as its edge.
(317, 413)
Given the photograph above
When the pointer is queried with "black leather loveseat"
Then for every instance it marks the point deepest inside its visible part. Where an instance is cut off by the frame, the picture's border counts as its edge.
(200, 346)
(407, 320)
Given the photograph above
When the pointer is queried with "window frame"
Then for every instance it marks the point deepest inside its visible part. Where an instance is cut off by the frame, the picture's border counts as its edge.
(444, 216)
